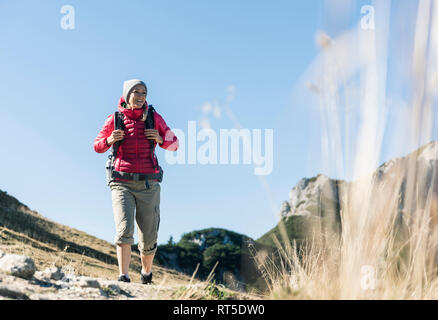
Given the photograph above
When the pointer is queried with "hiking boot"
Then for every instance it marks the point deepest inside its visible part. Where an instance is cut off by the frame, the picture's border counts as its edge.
(146, 279)
(124, 278)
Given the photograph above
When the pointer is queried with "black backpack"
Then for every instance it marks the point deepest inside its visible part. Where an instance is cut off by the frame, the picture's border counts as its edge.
(112, 173)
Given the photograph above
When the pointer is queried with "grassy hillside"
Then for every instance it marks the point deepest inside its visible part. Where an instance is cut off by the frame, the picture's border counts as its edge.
(24, 231)
(296, 227)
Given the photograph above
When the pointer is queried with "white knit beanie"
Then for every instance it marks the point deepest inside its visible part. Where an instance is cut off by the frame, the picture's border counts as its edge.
(129, 84)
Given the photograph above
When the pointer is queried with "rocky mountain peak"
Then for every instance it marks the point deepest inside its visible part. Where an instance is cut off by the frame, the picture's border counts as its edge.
(305, 197)
(313, 196)
(429, 152)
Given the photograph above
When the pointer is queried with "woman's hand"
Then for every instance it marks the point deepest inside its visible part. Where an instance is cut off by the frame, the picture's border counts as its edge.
(153, 134)
(115, 136)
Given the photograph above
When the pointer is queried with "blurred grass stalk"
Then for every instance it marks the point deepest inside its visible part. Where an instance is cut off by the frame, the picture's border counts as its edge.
(376, 256)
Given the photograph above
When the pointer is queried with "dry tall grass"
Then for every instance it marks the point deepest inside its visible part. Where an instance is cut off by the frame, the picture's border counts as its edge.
(377, 256)
(383, 252)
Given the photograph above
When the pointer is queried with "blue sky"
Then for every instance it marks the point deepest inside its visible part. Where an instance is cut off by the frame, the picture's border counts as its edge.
(58, 86)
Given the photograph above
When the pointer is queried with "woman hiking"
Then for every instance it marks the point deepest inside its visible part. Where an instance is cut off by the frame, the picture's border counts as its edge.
(134, 174)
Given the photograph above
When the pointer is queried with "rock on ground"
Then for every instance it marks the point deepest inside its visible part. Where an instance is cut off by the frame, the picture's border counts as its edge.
(16, 265)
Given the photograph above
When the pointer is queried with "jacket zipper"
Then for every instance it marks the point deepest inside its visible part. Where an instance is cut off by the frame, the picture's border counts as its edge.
(136, 147)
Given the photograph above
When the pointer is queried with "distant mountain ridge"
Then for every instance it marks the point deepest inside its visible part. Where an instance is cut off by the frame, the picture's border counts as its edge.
(203, 248)
(323, 197)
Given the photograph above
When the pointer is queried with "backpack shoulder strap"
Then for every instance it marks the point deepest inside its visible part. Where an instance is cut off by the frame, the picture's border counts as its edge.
(150, 124)
(118, 124)
(150, 119)
(119, 120)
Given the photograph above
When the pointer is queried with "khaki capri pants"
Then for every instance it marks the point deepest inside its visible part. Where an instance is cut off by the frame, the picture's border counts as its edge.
(132, 199)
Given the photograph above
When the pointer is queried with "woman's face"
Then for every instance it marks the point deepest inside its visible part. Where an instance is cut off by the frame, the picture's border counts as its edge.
(137, 97)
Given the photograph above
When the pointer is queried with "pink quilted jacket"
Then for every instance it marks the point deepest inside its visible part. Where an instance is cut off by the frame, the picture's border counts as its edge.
(134, 153)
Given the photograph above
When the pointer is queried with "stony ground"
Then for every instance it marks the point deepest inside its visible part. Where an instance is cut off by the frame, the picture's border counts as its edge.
(19, 279)
(80, 287)
(86, 288)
